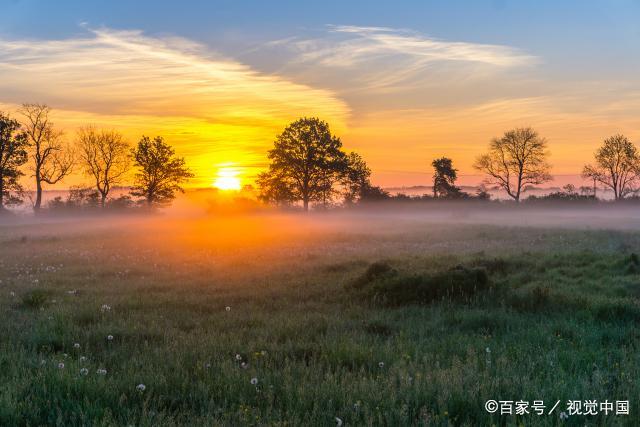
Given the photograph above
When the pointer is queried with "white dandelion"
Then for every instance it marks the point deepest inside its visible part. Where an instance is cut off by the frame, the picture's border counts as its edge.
(244, 365)
(105, 308)
(101, 371)
(84, 371)
(254, 381)
(227, 308)
(141, 387)
(381, 365)
(76, 345)
(60, 365)
(338, 422)
(83, 359)
(487, 350)
(109, 337)
(563, 415)
(238, 357)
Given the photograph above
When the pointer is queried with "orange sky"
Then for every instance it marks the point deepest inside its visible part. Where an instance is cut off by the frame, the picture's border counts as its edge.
(445, 99)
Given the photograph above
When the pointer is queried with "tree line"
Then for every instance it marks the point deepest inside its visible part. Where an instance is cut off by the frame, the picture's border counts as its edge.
(35, 144)
(307, 165)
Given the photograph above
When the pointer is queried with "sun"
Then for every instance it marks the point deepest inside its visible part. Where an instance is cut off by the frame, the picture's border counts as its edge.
(227, 178)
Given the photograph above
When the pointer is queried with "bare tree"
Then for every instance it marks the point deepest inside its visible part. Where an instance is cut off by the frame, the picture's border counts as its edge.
(51, 159)
(516, 160)
(617, 166)
(105, 158)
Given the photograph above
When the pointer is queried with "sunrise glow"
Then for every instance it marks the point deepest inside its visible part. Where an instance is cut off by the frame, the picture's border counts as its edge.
(227, 178)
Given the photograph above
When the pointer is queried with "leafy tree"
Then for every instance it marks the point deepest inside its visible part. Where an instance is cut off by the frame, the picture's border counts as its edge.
(617, 166)
(306, 161)
(516, 160)
(161, 173)
(51, 159)
(105, 158)
(444, 179)
(13, 154)
(355, 178)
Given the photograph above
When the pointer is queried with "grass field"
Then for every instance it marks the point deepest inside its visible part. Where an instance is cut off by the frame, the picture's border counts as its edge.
(283, 321)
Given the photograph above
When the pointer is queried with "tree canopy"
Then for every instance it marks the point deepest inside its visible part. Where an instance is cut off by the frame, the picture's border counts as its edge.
(617, 166)
(13, 154)
(306, 162)
(516, 160)
(161, 174)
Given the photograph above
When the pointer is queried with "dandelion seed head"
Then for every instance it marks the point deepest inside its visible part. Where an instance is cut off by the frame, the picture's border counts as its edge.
(84, 371)
(227, 308)
(141, 387)
(338, 422)
(254, 381)
(83, 359)
(381, 364)
(109, 337)
(76, 345)
(238, 357)
(60, 365)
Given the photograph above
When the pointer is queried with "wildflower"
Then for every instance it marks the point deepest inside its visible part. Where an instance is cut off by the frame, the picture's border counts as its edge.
(563, 415)
(238, 357)
(381, 365)
(338, 422)
(83, 359)
(109, 337)
(105, 307)
(227, 308)
(488, 350)
(76, 345)
(141, 387)
(244, 365)
(254, 381)
(13, 294)
(101, 371)
(84, 371)
(60, 365)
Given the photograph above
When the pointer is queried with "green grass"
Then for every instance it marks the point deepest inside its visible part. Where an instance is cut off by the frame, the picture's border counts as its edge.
(558, 313)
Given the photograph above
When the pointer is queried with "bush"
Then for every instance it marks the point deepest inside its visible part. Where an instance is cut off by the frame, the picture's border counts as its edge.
(382, 284)
(35, 299)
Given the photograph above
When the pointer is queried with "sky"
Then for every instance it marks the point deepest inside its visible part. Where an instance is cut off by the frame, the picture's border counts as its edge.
(400, 82)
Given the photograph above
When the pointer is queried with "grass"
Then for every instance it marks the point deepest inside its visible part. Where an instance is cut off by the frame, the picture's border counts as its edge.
(419, 324)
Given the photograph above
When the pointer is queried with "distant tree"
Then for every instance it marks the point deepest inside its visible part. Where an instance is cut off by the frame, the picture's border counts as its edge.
(617, 166)
(105, 158)
(160, 173)
(51, 159)
(516, 160)
(355, 178)
(444, 179)
(372, 193)
(306, 161)
(13, 154)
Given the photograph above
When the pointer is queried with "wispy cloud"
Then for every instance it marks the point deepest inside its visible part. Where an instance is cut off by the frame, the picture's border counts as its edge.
(386, 57)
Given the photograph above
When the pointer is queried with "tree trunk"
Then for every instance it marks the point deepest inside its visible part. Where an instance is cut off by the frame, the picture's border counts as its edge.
(305, 202)
(1, 192)
(36, 205)
(103, 198)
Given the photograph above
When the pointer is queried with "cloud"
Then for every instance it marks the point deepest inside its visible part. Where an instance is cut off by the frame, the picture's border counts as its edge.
(145, 84)
(387, 58)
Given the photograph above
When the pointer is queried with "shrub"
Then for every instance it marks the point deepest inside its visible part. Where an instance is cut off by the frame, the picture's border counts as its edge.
(382, 284)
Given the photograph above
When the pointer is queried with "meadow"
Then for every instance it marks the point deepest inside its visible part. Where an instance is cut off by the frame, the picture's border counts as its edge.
(326, 319)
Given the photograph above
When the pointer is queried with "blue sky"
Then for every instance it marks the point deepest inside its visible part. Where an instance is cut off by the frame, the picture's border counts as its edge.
(434, 77)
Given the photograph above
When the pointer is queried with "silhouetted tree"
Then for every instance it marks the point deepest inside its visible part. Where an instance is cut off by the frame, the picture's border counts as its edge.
(516, 160)
(161, 173)
(13, 154)
(51, 159)
(305, 163)
(355, 178)
(372, 193)
(444, 179)
(105, 158)
(617, 166)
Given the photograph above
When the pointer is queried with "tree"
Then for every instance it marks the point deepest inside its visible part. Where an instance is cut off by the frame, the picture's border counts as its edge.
(444, 179)
(617, 166)
(355, 178)
(161, 173)
(306, 161)
(51, 159)
(13, 154)
(516, 160)
(105, 158)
